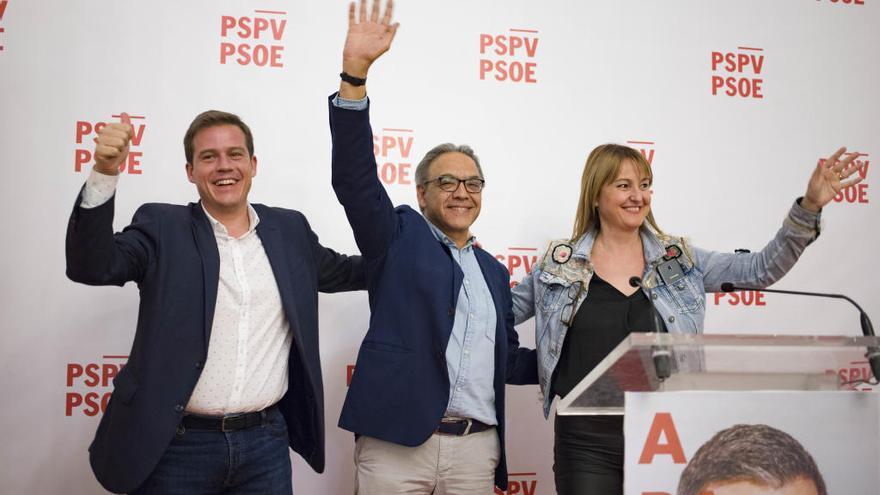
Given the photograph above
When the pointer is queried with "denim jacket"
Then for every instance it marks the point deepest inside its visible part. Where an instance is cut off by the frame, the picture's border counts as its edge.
(554, 291)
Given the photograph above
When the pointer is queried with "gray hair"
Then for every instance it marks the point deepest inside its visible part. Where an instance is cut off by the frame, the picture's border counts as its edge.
(436, 151)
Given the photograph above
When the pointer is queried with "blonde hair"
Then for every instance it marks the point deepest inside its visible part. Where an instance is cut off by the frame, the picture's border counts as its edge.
(602, 167)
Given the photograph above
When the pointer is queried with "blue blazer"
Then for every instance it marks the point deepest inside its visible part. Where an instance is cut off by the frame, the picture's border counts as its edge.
(400, 387)
(171, 253)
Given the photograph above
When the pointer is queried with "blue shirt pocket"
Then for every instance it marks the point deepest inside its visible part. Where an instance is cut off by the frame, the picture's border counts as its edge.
(553, 293)
(685, 294)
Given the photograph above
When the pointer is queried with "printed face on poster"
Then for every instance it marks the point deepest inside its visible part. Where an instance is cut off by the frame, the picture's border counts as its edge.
(702, 443)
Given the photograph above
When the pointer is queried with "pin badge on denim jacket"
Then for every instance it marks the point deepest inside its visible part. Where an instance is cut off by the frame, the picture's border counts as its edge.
(561, 254)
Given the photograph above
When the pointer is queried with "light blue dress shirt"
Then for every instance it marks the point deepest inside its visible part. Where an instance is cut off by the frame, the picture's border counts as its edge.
(470, 354)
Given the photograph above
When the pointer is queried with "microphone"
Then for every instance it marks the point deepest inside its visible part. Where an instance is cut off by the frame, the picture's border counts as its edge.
(660, 355)
(873, 353)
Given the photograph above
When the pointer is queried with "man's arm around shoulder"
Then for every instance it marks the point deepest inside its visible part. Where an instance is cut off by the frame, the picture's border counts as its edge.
(522, 362)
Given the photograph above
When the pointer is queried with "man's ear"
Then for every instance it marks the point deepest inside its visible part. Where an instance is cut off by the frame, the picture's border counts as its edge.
(189, 172)
(253, 166)
(420, 195)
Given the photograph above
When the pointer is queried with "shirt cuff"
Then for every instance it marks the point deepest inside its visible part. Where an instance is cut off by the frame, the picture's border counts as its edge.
(98, 190)
(344, 104)
(805, 218)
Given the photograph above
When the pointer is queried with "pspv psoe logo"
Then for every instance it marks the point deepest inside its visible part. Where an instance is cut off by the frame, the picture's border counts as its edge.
(738, 74)
(255, 41)
(393, 148)
(510, 57)
(646, 148)
(89, 385)
(3, 4)
(741, 298)
(856, 193)
(519, 262)
(349, 374)
(520, 484)
(856, 375)
(844, 2)
(87, 135)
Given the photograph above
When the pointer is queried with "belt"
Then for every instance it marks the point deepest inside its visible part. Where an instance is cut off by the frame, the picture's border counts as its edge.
(230, 422)
(461, 427)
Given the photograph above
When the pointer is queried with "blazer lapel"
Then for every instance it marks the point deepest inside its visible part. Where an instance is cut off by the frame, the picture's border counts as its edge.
(494, 285)
(273, 244)
(206, 243)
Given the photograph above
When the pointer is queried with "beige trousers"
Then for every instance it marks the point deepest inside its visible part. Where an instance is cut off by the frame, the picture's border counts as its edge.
(443, 465)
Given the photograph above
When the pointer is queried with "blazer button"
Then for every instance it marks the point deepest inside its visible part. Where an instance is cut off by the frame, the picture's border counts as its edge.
(178, 408)
(451, 312)
(198, 365)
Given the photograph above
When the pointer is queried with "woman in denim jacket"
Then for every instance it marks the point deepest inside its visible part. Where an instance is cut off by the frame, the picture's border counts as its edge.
(584, 306)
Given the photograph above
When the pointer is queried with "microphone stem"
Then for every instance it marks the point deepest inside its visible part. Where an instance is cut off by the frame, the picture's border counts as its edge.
(873, 353)
(867, 328)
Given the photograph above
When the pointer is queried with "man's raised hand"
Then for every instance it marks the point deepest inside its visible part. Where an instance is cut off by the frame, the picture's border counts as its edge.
(369, 36)
(112, 145)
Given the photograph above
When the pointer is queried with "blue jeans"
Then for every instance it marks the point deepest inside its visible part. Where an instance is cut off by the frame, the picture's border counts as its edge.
(249, 461)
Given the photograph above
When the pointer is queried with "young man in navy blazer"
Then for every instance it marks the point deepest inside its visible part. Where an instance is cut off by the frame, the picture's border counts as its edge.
(426, 400)
(224, 371)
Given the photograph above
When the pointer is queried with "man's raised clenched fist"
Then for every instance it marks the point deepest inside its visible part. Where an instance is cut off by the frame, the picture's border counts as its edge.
(112, 145)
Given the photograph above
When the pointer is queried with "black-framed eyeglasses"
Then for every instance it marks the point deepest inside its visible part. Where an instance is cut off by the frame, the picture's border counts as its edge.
(450, 183)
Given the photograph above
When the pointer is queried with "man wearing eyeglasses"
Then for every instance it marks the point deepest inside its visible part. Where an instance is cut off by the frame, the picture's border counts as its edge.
(426, 401)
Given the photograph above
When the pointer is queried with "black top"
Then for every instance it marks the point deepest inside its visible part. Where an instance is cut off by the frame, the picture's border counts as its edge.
(604, 319)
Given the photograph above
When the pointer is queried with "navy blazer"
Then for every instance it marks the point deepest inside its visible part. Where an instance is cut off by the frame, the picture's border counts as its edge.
(171, 253)
(400, 387)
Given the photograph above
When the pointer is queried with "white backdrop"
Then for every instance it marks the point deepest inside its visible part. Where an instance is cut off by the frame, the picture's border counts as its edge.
(579, 74)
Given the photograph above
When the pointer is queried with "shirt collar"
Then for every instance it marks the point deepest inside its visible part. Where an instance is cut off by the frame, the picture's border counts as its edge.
(652, 246)
(219, 228)
(445, 238)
